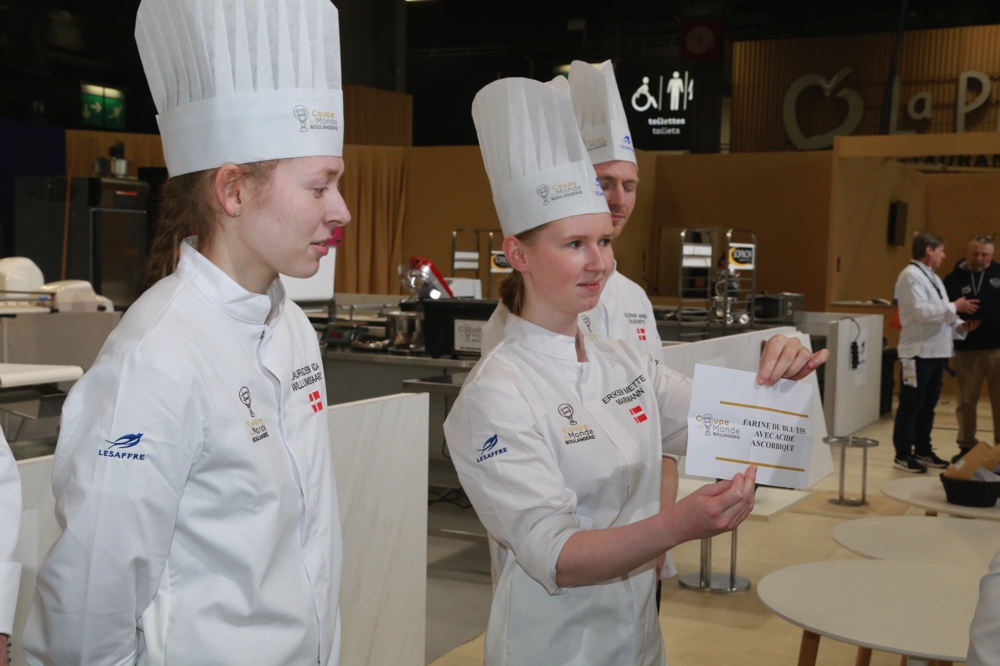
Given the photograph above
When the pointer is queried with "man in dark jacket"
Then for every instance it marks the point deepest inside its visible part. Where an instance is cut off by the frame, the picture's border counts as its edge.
(977, 357)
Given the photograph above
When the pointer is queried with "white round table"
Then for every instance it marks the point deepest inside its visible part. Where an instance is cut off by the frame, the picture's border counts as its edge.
(927, 493)
(907, 608)
(971, 544)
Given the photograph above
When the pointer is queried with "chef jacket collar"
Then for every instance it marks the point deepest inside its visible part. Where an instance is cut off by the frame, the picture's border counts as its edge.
(541, 339)
(224, 292)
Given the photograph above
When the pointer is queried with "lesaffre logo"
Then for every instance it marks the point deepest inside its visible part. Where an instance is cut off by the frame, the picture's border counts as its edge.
(315, 119)
(598, 190)
(490, 449)
(626, 144)
(123, 442)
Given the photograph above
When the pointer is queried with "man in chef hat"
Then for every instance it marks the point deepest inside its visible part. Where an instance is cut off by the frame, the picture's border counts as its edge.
(193, 480)
(624, 311)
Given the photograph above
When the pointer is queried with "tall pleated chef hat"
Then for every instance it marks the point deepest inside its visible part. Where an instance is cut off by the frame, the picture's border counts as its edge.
(560, 83)
(240, 81)
(538, 168)
(600, 113)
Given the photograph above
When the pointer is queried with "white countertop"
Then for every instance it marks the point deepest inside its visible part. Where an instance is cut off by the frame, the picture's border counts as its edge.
(958, 542)
(13, 375)
(927, 493)
(908, 608)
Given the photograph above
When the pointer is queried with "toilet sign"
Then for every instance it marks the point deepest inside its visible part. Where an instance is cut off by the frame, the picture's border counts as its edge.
(658, 96)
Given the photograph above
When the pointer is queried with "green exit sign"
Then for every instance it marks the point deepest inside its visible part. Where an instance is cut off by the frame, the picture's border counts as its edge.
(102, 108)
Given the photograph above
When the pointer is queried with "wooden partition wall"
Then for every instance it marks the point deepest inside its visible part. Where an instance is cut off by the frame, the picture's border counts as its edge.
(84, 146)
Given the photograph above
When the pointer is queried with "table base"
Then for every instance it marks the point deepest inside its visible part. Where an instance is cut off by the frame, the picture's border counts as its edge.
(809, 649)
(720, 583)
(848, 502)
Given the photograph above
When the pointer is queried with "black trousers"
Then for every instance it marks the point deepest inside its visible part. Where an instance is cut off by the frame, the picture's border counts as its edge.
(915, 416)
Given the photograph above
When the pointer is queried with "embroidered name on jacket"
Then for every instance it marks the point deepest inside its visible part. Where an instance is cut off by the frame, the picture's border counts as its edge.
(490, 449)
(306, 376)
(627, 394)
(638, 318)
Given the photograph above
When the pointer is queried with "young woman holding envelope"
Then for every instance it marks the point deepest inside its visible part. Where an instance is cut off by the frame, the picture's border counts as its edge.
(557, 438)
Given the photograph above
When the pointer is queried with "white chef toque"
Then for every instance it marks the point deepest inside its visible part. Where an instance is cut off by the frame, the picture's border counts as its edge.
(538, 168)
(600, 113)
(241, 81)
(560, 83)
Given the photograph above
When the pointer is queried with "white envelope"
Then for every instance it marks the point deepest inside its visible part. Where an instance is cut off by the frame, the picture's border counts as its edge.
(734, 422)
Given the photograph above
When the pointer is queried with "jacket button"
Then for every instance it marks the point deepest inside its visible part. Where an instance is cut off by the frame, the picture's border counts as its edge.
(262, 335)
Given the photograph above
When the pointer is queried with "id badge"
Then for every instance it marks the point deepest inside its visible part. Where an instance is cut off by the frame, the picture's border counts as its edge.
(909, 372)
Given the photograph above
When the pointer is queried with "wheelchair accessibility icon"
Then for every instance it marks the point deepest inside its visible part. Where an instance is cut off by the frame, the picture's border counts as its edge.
(643, 91)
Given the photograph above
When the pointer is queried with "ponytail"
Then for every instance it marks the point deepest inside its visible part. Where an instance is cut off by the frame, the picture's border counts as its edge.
(513, 291)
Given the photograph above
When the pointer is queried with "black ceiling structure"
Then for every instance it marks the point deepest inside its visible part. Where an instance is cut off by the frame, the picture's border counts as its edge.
(452, 47)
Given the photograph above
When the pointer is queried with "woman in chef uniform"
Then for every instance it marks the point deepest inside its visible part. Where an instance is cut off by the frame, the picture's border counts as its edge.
(192, 475)
(557, 437)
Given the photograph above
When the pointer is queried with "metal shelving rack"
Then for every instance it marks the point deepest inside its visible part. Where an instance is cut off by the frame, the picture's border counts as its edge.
(717, 281)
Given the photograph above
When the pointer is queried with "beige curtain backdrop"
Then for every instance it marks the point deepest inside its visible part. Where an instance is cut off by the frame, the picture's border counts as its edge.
(374, 187)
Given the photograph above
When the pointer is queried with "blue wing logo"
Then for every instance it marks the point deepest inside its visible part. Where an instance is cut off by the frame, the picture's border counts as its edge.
(125, 441)
(490, 444)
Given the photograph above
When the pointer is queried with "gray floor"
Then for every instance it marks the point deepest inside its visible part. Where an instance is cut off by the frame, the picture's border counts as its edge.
(459, 591)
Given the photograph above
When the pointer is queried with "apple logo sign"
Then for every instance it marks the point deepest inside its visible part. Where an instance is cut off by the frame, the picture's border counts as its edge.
(855, 110)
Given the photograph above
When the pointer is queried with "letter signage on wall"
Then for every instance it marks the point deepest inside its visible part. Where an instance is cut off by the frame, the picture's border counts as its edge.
(974, 90)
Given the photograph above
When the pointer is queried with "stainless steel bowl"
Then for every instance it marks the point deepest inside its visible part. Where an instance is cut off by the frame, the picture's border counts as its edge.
(404, 330)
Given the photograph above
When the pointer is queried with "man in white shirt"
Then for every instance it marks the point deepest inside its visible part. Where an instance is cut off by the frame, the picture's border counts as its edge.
(930, 325)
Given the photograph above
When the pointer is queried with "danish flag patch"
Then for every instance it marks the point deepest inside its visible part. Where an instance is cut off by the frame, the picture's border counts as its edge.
(637, 414)
(316, 401)
(642, 334)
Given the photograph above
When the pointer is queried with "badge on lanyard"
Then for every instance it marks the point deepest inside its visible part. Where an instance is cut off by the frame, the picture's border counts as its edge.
(909, 372)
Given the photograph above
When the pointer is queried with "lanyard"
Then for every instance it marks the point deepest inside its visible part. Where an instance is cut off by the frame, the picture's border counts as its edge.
(972, 279)
(931, 280)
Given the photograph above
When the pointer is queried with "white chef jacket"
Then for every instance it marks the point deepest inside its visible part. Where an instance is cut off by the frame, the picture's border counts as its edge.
(624, 312)
(10, 524)
(929, 320)
(545, 447)
(984, 634)
(193, 481)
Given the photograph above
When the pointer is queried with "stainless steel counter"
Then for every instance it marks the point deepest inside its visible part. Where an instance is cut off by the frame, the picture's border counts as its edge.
(449, 385)
(386, 358)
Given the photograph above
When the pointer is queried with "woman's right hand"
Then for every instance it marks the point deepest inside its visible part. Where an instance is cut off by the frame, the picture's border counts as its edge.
(712, 509)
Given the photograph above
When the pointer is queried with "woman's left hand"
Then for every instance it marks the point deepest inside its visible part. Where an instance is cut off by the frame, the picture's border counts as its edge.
(787, 358)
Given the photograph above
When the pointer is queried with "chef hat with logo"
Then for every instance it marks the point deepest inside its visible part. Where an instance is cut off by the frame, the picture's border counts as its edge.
(600, 113)
(240, 81)
(538, 168)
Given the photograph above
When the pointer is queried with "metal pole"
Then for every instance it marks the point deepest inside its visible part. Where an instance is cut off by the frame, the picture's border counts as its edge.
(732, 563)
(887, 107)
(864, 476)
(706, 563)
(843, 468)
